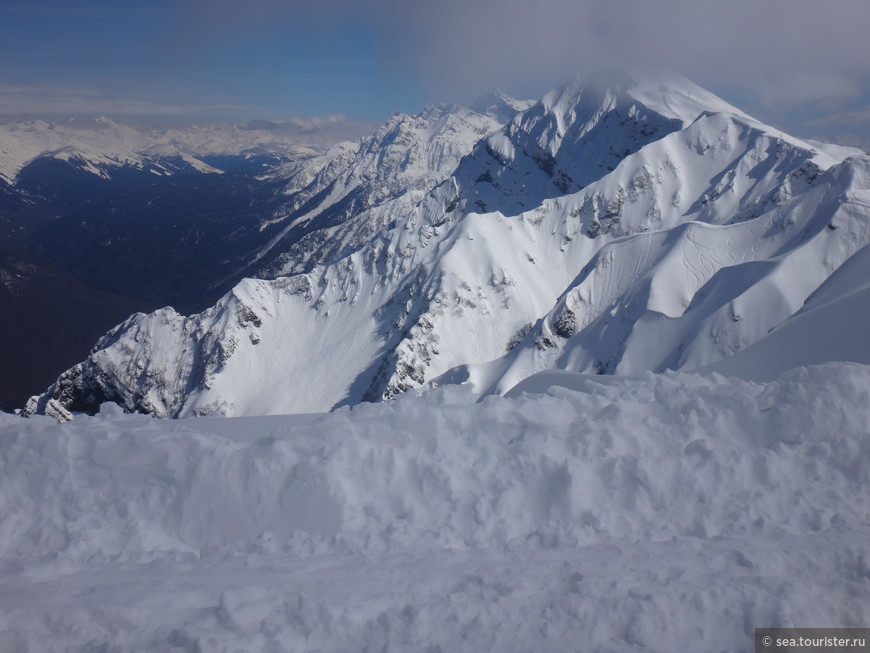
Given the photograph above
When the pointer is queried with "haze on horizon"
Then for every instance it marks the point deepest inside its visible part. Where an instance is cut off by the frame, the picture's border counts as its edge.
(803, 66)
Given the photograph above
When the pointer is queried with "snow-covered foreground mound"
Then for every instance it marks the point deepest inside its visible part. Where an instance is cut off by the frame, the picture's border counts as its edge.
(661, 512)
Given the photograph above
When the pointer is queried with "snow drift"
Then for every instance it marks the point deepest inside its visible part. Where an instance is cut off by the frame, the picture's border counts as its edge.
(660, 513)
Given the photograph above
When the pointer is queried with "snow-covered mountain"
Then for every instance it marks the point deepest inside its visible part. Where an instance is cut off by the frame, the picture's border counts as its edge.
(263, 221)
(500, 106)
(608, 228)
(102, 146)
(80, 161)
(152, 215)
(715, 236)
(341, 201)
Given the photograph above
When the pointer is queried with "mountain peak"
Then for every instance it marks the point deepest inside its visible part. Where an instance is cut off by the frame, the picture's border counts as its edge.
(674, 96)
(665, 92)
(620, 224)
(500, 106)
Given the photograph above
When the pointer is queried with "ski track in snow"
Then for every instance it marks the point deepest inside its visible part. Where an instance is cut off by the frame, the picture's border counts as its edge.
(665, 512)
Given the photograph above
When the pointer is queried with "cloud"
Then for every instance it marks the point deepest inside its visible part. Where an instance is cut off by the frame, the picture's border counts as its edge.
(19, 100)
(805, 50)
(770, 57)
(783, 51)
(796, 88)
(845, 119)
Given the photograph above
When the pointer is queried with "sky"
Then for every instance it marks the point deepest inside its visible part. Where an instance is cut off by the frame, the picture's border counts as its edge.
(800, 65)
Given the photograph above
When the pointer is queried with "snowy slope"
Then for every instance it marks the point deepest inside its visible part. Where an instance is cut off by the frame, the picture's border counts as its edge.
(575, 135)
(500, 106)
(662, 513)
(341, 201)
(691, 295)
(663, 229)
(833, 325)
(723, 191)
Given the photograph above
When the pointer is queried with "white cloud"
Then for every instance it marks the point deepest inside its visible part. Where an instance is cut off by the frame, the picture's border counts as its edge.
(16, 100)
(859, 117)
(786, 51)
(778, 54)
(803, 87)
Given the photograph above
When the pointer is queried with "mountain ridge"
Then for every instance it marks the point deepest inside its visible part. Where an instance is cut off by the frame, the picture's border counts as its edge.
(440, 291)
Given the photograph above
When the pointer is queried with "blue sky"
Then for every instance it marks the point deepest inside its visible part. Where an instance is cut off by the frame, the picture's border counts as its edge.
(165, 58)
(804, 66)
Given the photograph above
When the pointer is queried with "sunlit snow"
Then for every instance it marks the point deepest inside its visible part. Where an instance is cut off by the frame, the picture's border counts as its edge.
(641, 226)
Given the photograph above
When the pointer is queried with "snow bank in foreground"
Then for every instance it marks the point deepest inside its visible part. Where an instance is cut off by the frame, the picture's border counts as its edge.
(660, 512)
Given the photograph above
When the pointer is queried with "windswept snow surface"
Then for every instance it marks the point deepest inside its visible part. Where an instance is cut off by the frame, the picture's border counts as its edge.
(669, 512)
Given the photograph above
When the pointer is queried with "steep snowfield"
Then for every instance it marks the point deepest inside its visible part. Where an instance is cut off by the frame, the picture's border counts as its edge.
(833, 325)
(216, 361)
(341, 201)
(606, 229)
(658, 513)
(499, 106)
(575, 135)
(688, 296)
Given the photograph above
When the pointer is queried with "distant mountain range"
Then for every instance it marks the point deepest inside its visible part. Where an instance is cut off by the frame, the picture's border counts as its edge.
(141, 215)
(609, 228)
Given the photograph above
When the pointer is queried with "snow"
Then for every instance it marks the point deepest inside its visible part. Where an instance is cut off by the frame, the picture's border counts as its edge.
(384, 176)
(670, 229)
(685, 294)
(833, 325)
(836, 151)
(623, 229)
(675, 96)
(651, 513)
(94, 144)
(102, 144)
(500, 106)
